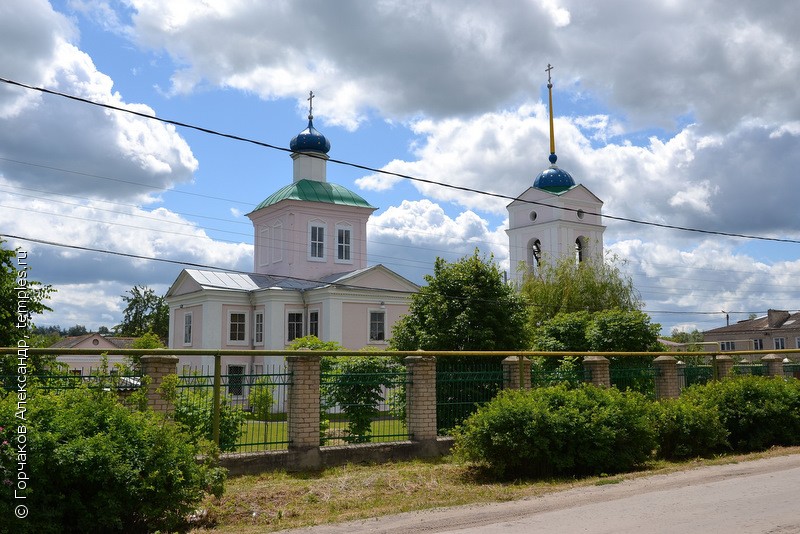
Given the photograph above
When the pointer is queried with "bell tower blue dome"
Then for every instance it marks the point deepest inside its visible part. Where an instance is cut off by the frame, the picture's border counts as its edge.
(554, 179)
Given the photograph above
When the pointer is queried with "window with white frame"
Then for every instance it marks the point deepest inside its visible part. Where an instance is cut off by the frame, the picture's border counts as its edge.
(236, 380)
(294, 325)
(377, 326)
(313, 323)
(259, 328)
(758, 344)
(316, 241)
(187, 328)
(344, 235)
(727, 345)
(780, 343)
(237, 323)
(797, 342)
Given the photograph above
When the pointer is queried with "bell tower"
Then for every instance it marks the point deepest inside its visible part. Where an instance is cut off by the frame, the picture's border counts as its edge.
(554, 218)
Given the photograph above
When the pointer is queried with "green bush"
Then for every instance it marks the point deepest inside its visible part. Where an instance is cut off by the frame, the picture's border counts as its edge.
(261, 399)
(687, 429)
(194, 409)
(95, 465)
(757, 412)
(355, 385)
(559, 431)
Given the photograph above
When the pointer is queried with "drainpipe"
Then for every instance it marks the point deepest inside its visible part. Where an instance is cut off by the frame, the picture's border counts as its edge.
(305, 312)
(250, 298)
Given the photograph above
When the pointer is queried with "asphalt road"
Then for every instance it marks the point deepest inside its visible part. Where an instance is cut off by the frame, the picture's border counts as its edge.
(761, 496)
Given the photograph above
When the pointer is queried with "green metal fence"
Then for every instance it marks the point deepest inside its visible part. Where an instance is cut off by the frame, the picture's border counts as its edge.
(362, 407)
(689, 375)
(98, 378)
(252, 407)
(641, 378)
(462, 385)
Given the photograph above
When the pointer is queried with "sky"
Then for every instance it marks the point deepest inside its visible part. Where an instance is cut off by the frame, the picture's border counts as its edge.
(675, 112)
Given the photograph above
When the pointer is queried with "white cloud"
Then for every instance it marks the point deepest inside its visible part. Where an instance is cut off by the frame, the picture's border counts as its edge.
(409, 237)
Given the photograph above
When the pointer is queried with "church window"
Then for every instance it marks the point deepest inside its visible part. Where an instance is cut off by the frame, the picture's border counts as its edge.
(294, 324)
(537, 253)
(236, 380)
(579, 250)
(344, 236)
(187, 329)
(581, 214)
(377, 326)
(317, 242)
(313, 323)
(259, 328)
(533, 216)
(236, 327)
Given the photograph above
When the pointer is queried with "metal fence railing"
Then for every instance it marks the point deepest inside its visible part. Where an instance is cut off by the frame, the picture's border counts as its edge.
(463, 385)
(361, 407)
(252, 407)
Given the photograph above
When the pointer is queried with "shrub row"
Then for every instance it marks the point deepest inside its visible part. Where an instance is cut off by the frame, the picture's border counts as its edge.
(558, 431)
(96, 465)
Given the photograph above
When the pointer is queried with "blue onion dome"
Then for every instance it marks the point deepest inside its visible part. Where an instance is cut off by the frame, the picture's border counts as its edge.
(554, 179)
(310, 140)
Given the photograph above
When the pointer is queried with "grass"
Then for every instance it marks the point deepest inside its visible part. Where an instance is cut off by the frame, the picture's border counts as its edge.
(281, 500)
(272, 435)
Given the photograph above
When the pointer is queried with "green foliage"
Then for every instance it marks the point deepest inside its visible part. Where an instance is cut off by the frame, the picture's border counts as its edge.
(558, 431)
(602, 331)
(567, 286)
(97, 466)
(564, 332)
(144, 312)
(689, 429)
(148, 340)
(261, 399)
(21, 298)
(464, 306)
(313, 343)
(355, 384)
(194, 409)
(622, 331)
(757, 412)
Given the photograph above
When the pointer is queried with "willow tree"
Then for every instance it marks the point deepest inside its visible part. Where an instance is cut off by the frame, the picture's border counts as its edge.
(567, 286)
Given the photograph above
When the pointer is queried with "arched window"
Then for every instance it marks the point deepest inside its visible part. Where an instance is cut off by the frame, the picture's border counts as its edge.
(534, 254)
(579, 253)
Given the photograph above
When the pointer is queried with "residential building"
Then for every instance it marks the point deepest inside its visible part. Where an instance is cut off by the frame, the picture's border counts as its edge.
(310, 275)
(85, 365)
(777, 330)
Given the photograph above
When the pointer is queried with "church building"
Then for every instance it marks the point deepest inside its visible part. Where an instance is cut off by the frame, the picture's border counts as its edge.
(554, 218)
(310, 274)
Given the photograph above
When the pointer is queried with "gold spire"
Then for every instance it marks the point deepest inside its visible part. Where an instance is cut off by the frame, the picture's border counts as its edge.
(550, 99)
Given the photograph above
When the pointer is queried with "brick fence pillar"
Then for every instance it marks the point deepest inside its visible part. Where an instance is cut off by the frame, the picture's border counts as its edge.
(774, 364)
(303, 406)
(724, 365)
(421, 401)
(598, 369)
(666, 377)
(157, 367)
(511, 372)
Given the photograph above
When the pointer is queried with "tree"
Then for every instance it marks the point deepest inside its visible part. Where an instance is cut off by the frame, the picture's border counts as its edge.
(602, 331)
(77, 330)
(465, 306)
(20, 297)
(569, 286)
(144, 312)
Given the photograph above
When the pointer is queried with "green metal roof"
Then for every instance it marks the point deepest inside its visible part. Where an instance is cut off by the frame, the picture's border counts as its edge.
(313, 191)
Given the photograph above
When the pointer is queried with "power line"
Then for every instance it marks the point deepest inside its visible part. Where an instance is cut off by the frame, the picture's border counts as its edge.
(389, 173)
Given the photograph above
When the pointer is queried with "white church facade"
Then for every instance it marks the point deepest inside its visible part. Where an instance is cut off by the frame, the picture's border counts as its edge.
(310, 275)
